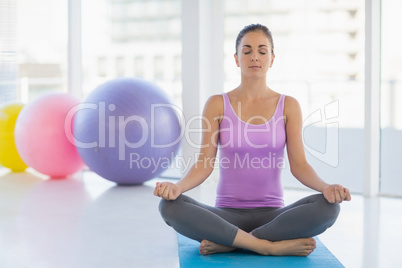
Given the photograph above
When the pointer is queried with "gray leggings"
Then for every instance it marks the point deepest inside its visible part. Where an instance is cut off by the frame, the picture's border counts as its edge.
(305, 218)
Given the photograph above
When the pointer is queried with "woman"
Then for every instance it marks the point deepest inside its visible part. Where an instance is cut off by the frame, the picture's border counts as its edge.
(251, 125)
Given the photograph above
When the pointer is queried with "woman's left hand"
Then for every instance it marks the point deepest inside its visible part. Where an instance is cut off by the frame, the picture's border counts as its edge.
(336, 193)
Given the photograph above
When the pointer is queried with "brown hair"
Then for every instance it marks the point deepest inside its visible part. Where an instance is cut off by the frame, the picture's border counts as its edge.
(253, 28)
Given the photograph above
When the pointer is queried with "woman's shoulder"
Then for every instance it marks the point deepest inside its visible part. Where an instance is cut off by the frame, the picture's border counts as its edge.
(215, 100)
(290, 101)
(214, 105)
(291, 106)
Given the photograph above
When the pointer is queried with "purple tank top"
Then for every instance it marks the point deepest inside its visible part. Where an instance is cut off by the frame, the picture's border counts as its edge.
(251, 158)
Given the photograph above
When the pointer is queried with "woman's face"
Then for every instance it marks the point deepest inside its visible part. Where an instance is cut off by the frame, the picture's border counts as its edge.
(254, 54)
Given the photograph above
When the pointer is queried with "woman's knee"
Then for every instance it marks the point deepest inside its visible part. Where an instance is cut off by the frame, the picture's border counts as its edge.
(328, 210)
(169, 209)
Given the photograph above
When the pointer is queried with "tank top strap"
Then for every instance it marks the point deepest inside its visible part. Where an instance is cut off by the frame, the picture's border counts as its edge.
(225, 98)
(280, 106)
(226, 105)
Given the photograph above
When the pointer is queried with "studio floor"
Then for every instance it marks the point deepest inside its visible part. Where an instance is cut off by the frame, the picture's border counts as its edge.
(85, 221)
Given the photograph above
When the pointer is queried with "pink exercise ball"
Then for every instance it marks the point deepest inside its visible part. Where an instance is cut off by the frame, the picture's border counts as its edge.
(41, 136)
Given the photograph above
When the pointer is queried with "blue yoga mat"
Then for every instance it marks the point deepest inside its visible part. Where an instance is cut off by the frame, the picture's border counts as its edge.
(191, 258)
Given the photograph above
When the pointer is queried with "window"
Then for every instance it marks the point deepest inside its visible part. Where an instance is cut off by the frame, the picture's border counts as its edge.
(139, 66)
(391, 97)
(8, 54)
(158, 67)
(177, 67)
(41, 47)
(132, 38)
(102, 66)
(120, 66)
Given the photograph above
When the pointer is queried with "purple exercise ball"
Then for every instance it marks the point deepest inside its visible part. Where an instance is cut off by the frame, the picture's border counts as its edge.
(127, 131)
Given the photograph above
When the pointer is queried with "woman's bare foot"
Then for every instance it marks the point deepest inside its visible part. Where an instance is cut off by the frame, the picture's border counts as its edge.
(207, 247)
(294, 247)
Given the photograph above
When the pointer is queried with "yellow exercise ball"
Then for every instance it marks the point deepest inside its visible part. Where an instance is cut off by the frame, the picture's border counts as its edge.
(9, 156)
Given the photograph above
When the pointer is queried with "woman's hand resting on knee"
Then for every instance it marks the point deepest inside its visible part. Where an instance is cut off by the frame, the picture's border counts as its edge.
(336, 193)
(167, 190)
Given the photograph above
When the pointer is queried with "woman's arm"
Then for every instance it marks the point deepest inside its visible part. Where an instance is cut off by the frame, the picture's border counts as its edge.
(299, 166)
(203, 167)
